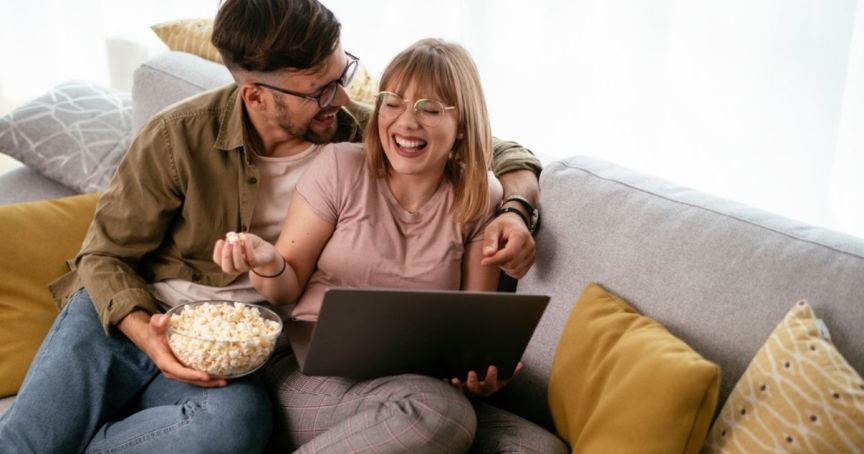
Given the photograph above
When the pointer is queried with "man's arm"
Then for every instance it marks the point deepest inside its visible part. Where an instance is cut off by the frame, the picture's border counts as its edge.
(508, 241)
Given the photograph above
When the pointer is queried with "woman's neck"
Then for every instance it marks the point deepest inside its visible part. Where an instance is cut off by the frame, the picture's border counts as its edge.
(413, 191)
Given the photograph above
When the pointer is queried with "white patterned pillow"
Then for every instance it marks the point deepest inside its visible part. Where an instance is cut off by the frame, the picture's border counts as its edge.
(75, 134)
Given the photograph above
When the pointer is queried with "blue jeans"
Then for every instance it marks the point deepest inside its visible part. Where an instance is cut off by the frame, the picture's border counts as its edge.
(87, 392)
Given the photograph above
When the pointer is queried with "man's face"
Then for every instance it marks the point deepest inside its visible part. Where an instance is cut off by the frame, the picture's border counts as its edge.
(302, 117)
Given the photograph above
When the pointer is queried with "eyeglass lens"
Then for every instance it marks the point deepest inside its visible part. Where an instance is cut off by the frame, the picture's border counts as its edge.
(328, 94)
(428, 112)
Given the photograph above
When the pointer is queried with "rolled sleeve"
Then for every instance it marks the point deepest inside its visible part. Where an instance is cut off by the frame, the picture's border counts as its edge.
(510, 156)
(123, 303)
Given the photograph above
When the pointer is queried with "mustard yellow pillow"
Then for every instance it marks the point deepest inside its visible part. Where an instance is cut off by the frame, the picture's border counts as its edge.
(36, 238)
(193, 36)
(798, 395)
(189, 35)
(621, 383)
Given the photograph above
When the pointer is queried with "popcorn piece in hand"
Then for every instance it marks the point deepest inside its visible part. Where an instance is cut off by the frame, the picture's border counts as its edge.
(233, 237)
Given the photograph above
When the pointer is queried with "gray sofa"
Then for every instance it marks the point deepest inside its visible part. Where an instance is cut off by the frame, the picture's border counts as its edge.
(718, 274)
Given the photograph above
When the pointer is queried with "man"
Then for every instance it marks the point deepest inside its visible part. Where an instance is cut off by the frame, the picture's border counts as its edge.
(105, 378)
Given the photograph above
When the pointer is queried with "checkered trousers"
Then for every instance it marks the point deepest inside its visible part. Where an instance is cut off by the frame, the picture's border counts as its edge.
(403, 413)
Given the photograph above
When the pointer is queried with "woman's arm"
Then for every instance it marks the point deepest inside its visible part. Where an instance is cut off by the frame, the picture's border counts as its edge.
(289, 263)
(477, 277)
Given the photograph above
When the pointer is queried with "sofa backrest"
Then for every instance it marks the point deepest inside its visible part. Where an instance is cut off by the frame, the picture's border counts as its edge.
(718, 274)
(171, 77)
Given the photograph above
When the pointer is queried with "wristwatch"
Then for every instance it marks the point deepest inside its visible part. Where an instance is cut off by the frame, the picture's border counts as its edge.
(532, 221)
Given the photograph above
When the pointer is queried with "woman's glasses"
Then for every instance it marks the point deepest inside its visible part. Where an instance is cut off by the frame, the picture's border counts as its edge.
(428, 111)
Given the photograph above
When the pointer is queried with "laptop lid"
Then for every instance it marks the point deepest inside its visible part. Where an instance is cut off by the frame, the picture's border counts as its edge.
(366, 333)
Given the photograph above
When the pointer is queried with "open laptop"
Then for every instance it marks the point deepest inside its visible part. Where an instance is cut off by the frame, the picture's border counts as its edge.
(367, 333)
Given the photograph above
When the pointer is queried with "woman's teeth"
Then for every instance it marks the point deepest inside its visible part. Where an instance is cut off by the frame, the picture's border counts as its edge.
(325, 117)
(407, 143)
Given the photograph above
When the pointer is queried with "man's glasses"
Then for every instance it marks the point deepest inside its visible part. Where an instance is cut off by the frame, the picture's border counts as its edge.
(328, 93)
(428, 111)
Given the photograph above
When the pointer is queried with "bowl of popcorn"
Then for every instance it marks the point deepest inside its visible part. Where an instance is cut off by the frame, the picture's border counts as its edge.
(226, 339)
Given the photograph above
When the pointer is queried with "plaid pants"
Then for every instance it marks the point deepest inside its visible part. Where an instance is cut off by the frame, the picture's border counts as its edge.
(403, 413)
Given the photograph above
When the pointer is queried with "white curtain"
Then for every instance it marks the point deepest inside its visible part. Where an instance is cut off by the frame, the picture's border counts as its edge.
(760, 101)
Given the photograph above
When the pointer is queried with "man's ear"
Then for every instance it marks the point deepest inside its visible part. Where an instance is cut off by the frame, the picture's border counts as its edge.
(253, 96)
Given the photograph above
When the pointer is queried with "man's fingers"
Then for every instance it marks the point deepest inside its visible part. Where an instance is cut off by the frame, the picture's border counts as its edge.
(499, 258)
(519, 270)
(490, 240)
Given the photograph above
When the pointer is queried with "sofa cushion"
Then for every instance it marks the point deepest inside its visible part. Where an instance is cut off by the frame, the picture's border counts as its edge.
(716, 273)
(75, 134)
(798, 395)
(37, 239)
(24, 184)
(620, 382)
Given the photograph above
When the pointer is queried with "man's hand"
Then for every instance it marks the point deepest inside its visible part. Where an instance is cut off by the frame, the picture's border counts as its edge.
(508, 244)
(490, 384)
(150, 334)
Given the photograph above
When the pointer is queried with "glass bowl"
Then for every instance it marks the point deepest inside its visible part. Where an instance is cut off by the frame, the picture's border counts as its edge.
(226, 339)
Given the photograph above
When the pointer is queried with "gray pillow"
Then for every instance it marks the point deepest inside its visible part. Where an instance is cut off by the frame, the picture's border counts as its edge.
(75, 134)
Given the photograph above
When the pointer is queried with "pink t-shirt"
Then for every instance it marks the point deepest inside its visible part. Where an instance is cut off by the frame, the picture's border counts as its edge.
(377, 243)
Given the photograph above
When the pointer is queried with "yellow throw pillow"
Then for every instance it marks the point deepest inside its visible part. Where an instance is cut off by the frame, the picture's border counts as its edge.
(37, 238)
(189, 35)
(620, 382)
(798, 395)
(193, 36)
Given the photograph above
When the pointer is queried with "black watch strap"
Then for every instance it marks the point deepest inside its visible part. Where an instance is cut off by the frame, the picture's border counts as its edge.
(532, 220)
(522, 200)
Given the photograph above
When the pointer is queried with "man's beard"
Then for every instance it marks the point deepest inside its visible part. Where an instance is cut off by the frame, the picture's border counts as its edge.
(298, 131)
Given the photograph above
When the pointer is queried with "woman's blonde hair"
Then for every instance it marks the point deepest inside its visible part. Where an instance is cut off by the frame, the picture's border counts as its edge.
(448, 70)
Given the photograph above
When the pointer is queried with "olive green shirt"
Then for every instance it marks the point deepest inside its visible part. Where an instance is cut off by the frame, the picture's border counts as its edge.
(187, 178)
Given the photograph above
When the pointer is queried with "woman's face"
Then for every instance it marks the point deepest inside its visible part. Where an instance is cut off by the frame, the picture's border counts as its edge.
(416, 142)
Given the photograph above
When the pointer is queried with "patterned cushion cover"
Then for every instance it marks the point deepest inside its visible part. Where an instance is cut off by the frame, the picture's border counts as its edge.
(75, 134)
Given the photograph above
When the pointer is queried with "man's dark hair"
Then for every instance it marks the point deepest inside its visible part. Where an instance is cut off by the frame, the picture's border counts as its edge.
(269, 35)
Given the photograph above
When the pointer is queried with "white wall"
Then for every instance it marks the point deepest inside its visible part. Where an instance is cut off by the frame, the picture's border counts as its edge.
(760, 101)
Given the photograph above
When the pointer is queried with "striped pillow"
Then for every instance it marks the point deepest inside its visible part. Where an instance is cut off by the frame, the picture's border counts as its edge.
(797, 395)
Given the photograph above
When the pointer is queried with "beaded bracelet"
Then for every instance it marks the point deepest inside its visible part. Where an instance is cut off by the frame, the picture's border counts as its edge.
(270, 276)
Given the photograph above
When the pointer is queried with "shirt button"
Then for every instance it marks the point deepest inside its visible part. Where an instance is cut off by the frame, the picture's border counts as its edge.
(243, 228)
(253, 180)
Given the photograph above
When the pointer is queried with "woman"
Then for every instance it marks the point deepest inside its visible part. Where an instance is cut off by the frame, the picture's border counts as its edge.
(406, 209)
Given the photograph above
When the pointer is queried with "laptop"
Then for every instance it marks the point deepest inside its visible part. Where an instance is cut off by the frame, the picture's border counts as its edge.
(369, 333)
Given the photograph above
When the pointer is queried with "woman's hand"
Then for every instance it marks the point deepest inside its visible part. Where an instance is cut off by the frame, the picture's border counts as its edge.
(490, 384)
(242, 252)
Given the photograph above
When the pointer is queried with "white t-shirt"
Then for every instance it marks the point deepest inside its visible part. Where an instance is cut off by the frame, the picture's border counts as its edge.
(276, 180)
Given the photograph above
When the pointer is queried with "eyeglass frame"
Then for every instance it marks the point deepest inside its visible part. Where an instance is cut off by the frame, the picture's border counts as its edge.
(405, 101)
(355, 61)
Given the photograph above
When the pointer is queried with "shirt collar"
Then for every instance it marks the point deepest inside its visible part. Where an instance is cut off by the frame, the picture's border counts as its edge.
(230, 135)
